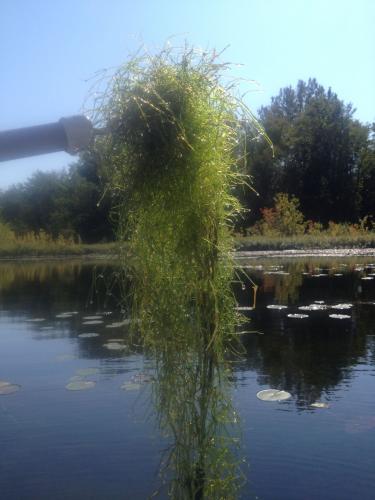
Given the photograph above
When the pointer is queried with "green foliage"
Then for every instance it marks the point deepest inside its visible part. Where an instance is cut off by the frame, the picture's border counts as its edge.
(6, 234)
(322, 155)
(57, 204)
(285, 219)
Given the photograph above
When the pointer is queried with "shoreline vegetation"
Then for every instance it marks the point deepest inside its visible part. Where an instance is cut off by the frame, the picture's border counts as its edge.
(22, 250)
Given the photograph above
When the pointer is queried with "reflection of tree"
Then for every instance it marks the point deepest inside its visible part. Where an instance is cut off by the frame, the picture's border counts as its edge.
(310, 357)
(52, 287)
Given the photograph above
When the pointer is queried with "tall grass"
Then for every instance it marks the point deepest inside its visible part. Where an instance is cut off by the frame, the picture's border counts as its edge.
(43, 244)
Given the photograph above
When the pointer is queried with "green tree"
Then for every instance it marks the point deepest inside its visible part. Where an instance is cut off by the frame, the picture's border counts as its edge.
(318, 148)
(68, 203)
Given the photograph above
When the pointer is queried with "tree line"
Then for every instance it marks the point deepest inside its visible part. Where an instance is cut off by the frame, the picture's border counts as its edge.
(321, 155)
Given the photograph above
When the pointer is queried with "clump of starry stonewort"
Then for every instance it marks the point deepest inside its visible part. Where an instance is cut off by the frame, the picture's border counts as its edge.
(171, 154)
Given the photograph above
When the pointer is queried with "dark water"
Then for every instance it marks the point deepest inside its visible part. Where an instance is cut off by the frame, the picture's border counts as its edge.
(104, 442)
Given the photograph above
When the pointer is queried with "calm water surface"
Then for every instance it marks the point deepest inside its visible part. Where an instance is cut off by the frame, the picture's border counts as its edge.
(104, 442)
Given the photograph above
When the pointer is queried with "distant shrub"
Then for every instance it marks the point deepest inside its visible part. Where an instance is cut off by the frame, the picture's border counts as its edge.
(284, 219)
(313, 227)
(6, 234)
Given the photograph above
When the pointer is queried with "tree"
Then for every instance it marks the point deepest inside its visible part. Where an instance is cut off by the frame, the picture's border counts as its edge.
(318, 149)
(68, 203)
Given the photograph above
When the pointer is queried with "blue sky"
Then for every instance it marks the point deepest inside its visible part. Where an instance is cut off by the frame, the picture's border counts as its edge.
(48, 50)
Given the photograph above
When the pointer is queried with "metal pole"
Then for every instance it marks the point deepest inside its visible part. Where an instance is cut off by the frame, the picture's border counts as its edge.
(71, 134)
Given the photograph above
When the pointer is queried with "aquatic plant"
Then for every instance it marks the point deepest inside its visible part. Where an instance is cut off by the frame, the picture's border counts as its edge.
(172, 155)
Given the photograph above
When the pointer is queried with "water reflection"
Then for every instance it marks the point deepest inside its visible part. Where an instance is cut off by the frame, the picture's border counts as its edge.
(169, 352)
(183, 350)
(313, 356)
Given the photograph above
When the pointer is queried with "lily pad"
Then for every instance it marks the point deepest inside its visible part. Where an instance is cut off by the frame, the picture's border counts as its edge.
(280, 273)
(130, 386)
(273, 395)
(118, 324)
(88, 335)
(85, 372)
(142, 378)
(339, 316)
(313, 307)
(114, 346)
(318, 404)
(277, 307)
(8, 388)
(298, 316)
(80, 385)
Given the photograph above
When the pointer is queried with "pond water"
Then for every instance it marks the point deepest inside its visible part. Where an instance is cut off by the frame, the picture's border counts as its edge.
(77, 419)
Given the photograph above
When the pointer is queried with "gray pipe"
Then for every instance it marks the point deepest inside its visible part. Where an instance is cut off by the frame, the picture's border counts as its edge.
(71, 134)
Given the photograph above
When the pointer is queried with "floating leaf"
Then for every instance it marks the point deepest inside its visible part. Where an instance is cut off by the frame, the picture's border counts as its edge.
(8, 388)
(130, 386)
(118, 324)
(273, 395)
(114, 346)
(318, 404)
(142, 378)
(313, 307)
(85, 372)
(80, 385)
(281, 273)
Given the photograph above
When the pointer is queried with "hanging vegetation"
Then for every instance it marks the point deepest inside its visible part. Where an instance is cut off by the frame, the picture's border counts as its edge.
(172, 154)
